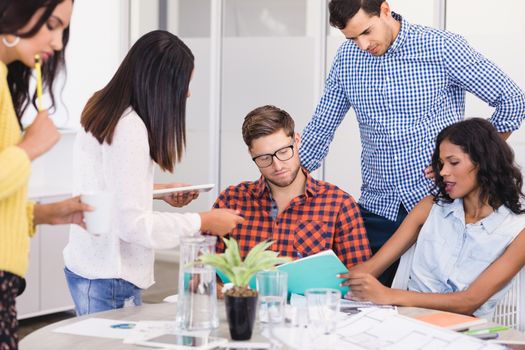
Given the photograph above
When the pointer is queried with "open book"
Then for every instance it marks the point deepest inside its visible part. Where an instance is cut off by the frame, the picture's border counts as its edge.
(314, 271)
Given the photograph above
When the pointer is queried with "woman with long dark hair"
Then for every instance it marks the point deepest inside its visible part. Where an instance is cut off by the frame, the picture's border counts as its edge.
(470, 234)
(27, 28)
(135, 121)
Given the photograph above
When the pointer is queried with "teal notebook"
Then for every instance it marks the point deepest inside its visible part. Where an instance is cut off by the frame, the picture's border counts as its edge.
(314, 271)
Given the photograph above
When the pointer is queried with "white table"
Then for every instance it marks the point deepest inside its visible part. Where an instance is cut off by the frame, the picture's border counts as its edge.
(46, 339)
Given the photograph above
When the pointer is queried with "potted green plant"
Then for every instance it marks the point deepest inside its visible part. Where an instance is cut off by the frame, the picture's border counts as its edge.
(241, 301)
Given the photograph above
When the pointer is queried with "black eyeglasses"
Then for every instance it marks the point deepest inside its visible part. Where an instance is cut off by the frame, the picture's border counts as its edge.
(265, 160)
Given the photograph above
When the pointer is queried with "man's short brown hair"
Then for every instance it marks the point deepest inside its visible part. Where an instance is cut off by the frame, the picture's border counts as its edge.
(264, 121)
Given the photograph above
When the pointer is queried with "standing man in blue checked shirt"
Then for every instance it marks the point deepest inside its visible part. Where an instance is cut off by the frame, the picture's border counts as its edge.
(405, 82)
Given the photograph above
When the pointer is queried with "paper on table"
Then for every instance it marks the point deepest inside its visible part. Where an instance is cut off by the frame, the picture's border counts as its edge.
(300, 301)
(99, 327)
(381, 328)
(375, 328)
(121, 329)
(345, 303)
(148, 329)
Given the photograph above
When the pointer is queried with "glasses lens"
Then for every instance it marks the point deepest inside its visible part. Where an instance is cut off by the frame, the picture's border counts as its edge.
(263, 161)
(285, 153)
(266, 160)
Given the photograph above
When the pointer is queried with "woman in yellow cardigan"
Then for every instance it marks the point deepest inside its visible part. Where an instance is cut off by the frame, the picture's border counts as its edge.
(27, 28)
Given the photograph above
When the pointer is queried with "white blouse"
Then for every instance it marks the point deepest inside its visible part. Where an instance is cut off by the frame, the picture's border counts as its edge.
(125, 169)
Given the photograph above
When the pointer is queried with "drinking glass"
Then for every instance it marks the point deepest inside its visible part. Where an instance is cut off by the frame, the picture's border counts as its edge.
(323, 307)
(197, 299)
(272, 287)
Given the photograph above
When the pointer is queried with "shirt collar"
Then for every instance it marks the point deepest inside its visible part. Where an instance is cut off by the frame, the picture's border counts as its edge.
(260, 187)
(311, 186)
(455, 208)
(495, 220)
(401, 36)
(490, 223)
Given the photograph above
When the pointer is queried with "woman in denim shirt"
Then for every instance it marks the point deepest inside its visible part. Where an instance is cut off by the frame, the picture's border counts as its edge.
(470, 234)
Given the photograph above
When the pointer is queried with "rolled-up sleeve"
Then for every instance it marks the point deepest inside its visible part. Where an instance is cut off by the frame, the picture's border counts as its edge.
(351, 242)
(476, 74)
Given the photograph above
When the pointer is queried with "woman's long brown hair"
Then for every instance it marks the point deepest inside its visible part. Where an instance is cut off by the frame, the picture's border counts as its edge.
(153, 79)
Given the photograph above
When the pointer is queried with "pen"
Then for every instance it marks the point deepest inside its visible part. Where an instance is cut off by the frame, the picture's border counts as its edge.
(486, 330)
(38, 71)
(485, 336)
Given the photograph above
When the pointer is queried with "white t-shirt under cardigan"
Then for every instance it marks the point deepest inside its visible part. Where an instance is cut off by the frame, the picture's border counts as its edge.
(125, 169)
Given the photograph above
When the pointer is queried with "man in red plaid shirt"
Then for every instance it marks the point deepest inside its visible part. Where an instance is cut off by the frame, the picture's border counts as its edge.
(303, 215)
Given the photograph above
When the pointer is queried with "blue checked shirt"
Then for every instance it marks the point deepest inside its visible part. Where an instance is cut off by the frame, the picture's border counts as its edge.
(402, 100)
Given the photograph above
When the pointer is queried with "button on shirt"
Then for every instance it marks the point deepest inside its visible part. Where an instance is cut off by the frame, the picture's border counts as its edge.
(402, 100)
(324, 217)
(450, 254)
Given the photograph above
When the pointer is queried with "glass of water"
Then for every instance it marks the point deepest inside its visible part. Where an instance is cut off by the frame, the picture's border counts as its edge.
(272, 287)
(197, 300)
(323, 306)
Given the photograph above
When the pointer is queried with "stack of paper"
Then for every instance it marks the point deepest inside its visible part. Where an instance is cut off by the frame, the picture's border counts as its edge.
(378, 328)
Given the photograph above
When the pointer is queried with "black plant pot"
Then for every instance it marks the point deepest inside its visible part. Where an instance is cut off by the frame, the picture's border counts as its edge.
(240, 312)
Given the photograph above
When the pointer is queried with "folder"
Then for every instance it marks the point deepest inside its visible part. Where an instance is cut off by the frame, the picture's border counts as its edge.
(451, 320)
(314, 271)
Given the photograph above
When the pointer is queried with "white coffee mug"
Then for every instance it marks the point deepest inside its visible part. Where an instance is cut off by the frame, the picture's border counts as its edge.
(98, 221)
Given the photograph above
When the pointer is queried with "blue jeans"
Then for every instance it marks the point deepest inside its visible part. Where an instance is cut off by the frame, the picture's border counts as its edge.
(378, 230)
(101, 294)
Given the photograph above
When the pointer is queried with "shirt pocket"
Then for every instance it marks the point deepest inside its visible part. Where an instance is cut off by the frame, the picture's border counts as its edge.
(430, 254)
(311, 237)
(484, 255)
(488, 248)
(477, 260)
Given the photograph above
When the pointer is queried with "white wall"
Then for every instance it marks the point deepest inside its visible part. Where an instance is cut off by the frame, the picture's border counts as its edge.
(98, 41)
(496, 31)
(265, 65)
(269, 65)
(266, 50)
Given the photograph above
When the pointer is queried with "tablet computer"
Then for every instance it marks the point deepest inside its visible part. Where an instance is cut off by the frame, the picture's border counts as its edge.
(181, 341)
(198, 188)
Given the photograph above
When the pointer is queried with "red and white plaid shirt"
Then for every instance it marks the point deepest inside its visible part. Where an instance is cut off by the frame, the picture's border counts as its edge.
(324, 217)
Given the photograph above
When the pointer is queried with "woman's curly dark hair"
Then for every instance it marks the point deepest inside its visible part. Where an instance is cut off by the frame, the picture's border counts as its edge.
(499, 178)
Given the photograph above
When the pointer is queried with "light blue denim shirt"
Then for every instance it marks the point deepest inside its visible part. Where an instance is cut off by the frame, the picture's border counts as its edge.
(450, 255)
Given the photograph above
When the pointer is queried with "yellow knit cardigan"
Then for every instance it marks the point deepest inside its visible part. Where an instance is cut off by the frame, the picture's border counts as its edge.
(16, 212)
